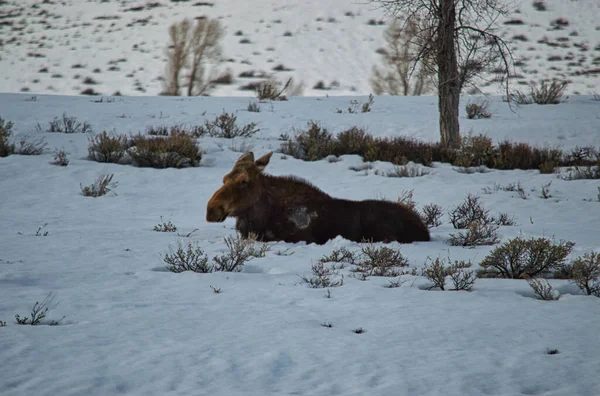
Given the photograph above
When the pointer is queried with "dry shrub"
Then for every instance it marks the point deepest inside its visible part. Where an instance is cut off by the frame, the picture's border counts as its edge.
(60, 158)
(6, 147)
(379, 261)
(340, 256)
(107, 148)
(534, 257)
(478, 233)
(67, 124)
(175, 151)
(239, 251)
(323, 276)
(407, 171)
(271, 89)
(463, 278)
(468, 212)
(542, 289)
(31, 146)
(225, 126)
(188, 258)
(548, 92)
(312, 144)
(475, 150)
(478, 109)
(586, 273)
(353, 141)
(102, 186)
(431, 215)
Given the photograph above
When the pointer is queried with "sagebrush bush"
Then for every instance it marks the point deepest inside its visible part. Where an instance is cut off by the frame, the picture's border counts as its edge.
(165, 226)
(312, 144)
(542, 289)
(548, 92)
(586, 273)
(534, 257)
(107, 148)
(60, 158)
(187, 258)
(177, 150)
(478, 109)
(323, 276)
(6, 147)
(225, 126)
(66, 124)
(102, 186)
(463, 278)
(478, 233)
(30, 146)
(407, 171)
(341, 256)
(475, 150)
(379, 261)
(239, 251)
(39, 311)
(468, 212)
(431, 215)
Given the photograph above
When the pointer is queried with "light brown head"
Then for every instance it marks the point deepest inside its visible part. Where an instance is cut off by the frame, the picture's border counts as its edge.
(240, 190)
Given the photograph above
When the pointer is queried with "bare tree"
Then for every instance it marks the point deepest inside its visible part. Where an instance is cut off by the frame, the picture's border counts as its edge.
(398, 76)
(463, 43)
(193, 48)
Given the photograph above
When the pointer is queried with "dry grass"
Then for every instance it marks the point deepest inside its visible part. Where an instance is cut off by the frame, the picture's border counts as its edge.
(102, 186)
(177, 150)
(107, 148)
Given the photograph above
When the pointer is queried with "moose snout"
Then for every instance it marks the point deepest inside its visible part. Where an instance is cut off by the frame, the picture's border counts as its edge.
(215, 214)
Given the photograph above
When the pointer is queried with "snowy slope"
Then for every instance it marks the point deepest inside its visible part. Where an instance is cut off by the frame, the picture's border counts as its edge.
(52, 47)
(131, 327)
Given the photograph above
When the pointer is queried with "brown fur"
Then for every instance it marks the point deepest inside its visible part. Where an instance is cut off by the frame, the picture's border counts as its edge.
(290, 209)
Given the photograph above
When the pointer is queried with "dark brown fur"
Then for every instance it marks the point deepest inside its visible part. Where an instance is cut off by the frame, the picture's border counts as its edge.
(290, 209)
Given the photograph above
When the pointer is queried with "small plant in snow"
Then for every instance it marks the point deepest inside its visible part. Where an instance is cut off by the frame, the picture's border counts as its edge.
(407, 171)
(355, 106)
(102, 186)
(478, 233)
(60, 158)
(323, 276)
(39, 311)
(552, 351)
(463, 278)
(542, 289)
(28, 146)
(216, 290)
(341, 256)
(406, 199)
(532, 257)
(107, 148)
(478, 109)
(546, 191)
(586, 273)
(379, 261)
(41, 232)
(431, 215)
(548, 93)
(327, 324)
(254, 107)
(188, 258)
(6, 147)
(66, 124)
(471, 210)
(359, 330)
(239, 251)
(2, 324)
(165, 226)
(225, 126)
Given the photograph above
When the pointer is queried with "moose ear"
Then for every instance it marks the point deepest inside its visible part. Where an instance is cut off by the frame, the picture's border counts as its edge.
(249, 156)
(263, 161)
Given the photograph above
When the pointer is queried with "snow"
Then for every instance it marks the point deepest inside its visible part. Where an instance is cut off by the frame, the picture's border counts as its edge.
(132, 327)
(331, 41)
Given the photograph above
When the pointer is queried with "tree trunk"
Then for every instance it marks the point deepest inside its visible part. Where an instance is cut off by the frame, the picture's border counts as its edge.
(448, 76)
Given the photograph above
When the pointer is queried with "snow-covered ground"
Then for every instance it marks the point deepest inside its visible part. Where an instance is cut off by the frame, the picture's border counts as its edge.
(54, 47)
(132, 327)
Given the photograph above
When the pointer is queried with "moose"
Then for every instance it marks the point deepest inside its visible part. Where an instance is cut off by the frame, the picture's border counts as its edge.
(291, 209)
